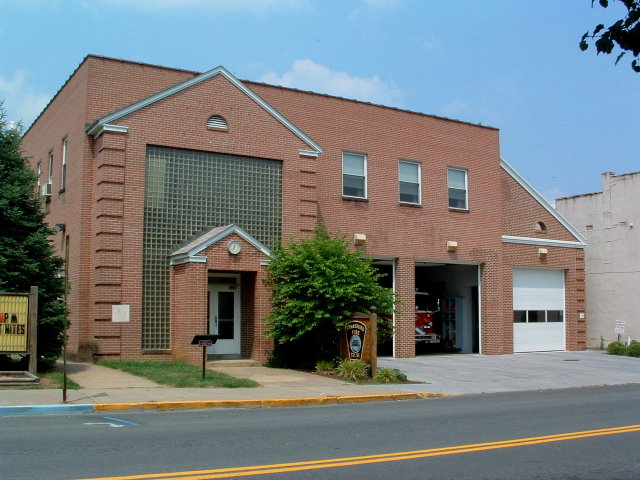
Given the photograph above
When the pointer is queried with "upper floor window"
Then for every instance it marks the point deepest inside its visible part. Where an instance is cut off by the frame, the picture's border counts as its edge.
(409, 175)
(63, 173)
(39, 173)
(50, 167)
(354, 175)
(457, 182)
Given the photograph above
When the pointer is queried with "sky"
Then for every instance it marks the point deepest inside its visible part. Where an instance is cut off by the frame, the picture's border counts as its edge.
(565, 116)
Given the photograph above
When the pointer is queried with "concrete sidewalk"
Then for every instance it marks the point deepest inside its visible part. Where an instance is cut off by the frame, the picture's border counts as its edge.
(474, 374)
(105, 389)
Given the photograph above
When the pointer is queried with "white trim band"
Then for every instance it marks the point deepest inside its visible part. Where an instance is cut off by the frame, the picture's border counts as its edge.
(187, 259)
(110, 128)
(542, 242)
(308, 153)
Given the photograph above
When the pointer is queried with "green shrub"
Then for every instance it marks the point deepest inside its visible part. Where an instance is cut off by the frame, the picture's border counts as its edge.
(354, 370)
(324, 366)
(633, 350)
(385, 375)
(317, 284)
(275, 360)
(617, 348)
(389, 375)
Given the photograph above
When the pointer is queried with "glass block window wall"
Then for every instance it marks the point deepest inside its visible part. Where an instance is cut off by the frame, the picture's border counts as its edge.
(188, 192)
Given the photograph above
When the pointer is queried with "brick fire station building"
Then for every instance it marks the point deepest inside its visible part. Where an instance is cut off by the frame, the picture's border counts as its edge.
(169, 187)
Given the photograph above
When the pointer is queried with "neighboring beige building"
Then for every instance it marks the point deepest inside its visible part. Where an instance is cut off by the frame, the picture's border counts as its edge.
(610, 222)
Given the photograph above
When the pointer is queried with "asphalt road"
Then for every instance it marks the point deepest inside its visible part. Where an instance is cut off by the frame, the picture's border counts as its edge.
(495, 436)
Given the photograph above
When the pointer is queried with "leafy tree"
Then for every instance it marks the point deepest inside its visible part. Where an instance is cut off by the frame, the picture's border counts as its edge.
(26, 254)
(317, 284)
(625, 33)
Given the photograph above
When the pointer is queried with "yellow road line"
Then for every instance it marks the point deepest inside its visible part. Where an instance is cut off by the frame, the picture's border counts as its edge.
(367, 459)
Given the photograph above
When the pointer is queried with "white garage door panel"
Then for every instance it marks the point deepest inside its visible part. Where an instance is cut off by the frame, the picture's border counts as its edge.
(538, 337)
(538, 289)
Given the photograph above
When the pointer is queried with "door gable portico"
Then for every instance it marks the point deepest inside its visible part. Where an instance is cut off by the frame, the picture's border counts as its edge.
(199, 307)
(193, 250)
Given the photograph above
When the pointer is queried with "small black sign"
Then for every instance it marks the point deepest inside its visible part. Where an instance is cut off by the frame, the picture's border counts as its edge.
(356, 332)
(204, 340)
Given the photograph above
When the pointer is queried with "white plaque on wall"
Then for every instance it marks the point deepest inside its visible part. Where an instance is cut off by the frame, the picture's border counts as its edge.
(119, 313)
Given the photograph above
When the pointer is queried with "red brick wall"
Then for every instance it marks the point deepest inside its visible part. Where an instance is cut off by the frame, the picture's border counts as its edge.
(408, 233)
(180, 122)
(103, 204)
(64, 117)
(387, 135)
(189, 316)
(521, 212)
(405, 317)
(114, 84)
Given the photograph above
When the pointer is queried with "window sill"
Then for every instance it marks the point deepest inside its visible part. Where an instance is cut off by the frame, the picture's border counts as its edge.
(355, 199)
(460, 210)
(410, 205)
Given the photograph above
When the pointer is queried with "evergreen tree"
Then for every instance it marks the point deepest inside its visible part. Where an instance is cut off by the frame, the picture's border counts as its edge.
(317, 284)
(26, 253)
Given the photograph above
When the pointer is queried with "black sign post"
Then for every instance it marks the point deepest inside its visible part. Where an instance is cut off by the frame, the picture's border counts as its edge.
(204, 341)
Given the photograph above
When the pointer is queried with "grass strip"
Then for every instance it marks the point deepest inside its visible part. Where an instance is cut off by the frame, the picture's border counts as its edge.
(178, 374)
(57, 378)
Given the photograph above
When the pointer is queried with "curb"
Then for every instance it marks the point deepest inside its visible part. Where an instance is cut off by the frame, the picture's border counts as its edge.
(208, 404)
(262, 403)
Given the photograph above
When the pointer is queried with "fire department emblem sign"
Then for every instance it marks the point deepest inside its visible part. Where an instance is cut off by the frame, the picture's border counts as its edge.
(356, 332)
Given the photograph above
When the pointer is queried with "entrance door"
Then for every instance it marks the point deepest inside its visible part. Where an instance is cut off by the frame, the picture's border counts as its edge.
(224, 318)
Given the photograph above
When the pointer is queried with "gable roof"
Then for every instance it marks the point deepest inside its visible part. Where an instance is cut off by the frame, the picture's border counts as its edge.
(98, 126)
(188, 253)
(581, 241)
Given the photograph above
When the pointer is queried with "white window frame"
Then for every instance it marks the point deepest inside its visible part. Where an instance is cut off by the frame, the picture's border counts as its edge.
(39, 170)
(364, 176)
(50, 165)
(546, 316)
(63, 170)
(418, 182)
(466, 188)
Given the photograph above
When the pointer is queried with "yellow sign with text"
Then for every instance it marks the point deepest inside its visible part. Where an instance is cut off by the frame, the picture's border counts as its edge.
(14, 321)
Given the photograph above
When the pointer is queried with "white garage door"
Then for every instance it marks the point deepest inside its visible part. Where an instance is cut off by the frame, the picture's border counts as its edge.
(538, 310)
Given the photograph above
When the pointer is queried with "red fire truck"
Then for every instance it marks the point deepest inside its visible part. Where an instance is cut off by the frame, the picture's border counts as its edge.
(427, 330)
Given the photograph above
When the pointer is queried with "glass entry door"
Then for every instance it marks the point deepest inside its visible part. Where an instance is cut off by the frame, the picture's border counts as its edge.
(224, 318)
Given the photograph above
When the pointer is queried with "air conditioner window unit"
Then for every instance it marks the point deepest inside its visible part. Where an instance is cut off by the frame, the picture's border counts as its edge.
(46, 189)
